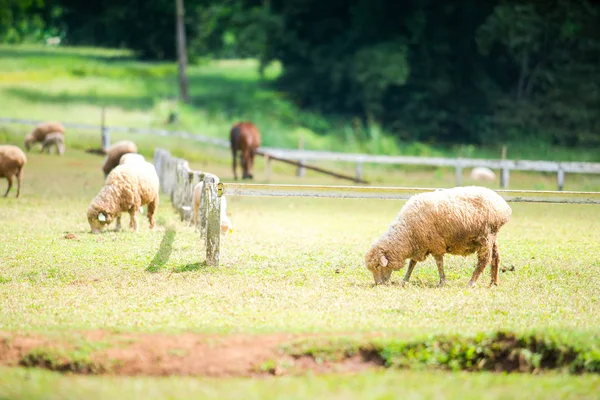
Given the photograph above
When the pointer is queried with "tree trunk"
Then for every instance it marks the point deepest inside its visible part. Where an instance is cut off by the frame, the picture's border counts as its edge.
(181, 53)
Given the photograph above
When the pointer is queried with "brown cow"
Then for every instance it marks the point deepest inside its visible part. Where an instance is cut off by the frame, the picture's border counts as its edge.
(244, 136)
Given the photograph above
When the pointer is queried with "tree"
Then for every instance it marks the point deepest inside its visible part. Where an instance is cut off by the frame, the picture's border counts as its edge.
(181, 53)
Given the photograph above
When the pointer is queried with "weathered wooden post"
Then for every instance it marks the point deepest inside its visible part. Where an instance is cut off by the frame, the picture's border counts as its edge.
(301, 171)
(459, 172)
(104, 130)
(213, 223)
(359, 170)
(505, 172)
(267, 167)
(561, 177)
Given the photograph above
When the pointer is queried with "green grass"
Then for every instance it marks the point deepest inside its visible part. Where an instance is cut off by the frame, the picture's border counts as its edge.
(28, 384)
(72, 84)
(292, 265)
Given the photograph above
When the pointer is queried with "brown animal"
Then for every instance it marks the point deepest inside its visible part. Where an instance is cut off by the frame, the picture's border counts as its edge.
(245, 137)
(114, 153)
(12, 160)
(39, 133)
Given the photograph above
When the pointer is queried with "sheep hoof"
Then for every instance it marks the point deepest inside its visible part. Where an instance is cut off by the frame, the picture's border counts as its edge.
(441, 284)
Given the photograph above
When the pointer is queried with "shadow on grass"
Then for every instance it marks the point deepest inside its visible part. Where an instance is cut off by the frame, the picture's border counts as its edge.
(190, 267)
(164, 251)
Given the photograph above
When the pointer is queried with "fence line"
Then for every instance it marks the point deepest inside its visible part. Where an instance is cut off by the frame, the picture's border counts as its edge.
(395, 193)
(505, 166)
(177, 181)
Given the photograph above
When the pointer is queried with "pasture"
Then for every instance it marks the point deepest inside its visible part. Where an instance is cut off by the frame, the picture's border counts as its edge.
(138, 314)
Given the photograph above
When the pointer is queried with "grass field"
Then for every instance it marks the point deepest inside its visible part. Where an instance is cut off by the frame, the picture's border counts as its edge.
(291, 296)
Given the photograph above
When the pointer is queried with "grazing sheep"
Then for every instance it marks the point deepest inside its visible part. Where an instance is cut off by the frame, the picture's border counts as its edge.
(128, 187)
(131, 157)
(12, 161)
(459, 221)
(56, 139)
(245, 137)
(114, 153)
(226, 225)
(39, 133)
(483, 174)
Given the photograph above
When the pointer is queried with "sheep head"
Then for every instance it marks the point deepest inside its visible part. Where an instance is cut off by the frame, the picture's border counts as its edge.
(382, 264)
(28, 140)
(98, 219)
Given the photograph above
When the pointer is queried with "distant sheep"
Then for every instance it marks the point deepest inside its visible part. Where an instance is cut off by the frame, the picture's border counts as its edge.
(226, 225)
(114, 153)
(483, 174)
(128, 187)
(12, 161)
(39, 133)
(458, 221)
(56, 139)
(131, 157)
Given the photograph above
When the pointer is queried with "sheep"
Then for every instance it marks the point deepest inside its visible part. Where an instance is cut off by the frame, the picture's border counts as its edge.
(56, 139)
(127, 188)
(460, 221)
(483, 174)
(131, 157)
(12, 161)
(39, 133)
(114, 153)
(226, 225)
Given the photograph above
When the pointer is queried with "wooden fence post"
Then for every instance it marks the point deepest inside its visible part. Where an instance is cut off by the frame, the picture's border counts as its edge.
(301, 171)
(104, 129)
(561, 177)
(213, 223)
(267, 167)
(359, 170)
(459, 172)
(504, 172)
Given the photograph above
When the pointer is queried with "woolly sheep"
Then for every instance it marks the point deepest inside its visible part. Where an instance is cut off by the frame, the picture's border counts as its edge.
(131, 157)
(460, 221)
(483, 174)
(39, 133)
(56, 139)
(127, 188)
(226, 225)
(114, 153)
(12, 161)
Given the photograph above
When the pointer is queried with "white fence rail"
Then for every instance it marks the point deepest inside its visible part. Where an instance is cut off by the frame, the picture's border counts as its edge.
(395, 193)
(177, 180)
(505, 166)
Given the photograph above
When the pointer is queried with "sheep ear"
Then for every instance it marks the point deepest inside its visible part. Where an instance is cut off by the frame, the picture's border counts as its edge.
(383, 261)
(101, 217)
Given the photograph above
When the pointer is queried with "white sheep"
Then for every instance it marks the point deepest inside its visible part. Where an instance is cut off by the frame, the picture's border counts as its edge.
(114, 153)
(128, 187)
(39, 133)
(12, 161)
(458, 221)
(131, 157)
(483, 174)
(226, 225)
(56, 139)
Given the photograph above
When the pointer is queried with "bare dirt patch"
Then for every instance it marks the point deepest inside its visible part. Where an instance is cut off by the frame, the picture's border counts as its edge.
(164, 354)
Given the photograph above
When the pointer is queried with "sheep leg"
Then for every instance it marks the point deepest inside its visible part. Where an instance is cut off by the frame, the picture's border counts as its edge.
(118, 225)
(19, 180)
(251, 165)
(495, 264)
(10, 182)
(409, 270)
(439, 260)
(133, 218)
(483, 256)
(245, 165)
(151, 211)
